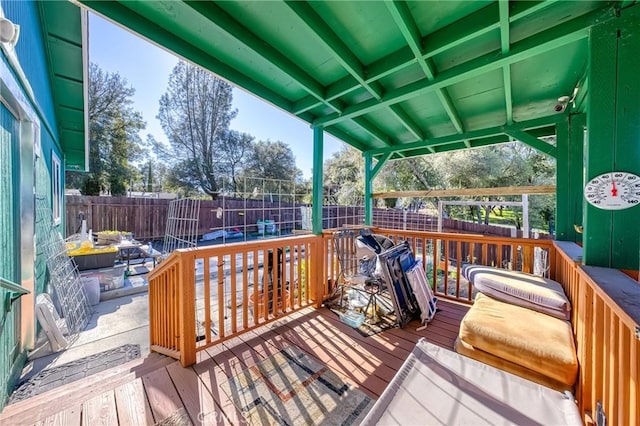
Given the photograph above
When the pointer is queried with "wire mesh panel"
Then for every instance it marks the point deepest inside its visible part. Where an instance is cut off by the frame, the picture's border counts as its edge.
(63, 273)
(182, 225)
(251, 208)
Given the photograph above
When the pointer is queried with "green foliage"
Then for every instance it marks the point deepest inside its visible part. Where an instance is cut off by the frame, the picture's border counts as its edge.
(113, 135)
(195, 113)
(344, 177)
(512, 164)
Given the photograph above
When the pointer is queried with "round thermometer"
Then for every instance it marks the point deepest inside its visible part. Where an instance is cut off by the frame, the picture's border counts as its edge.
(613, 191)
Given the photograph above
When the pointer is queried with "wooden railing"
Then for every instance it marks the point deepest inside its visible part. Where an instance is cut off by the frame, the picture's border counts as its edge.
(201, 297)
(606, 325)
(444, 254)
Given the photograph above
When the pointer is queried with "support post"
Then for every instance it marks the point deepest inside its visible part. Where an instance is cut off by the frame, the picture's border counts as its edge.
(316, 210)
(569, 178)
(368, 189)
(612, 238)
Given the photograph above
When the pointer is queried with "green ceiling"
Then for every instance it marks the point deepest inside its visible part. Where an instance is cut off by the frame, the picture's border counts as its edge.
(62, 28)
(407, 78)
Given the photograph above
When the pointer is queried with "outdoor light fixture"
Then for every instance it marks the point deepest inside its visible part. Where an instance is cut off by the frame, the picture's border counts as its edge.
(9, 32)
(563, 101)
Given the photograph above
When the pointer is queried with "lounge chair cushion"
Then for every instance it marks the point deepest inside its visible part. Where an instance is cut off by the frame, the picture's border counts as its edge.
(486, 358)
(528, 338)
(519, 288)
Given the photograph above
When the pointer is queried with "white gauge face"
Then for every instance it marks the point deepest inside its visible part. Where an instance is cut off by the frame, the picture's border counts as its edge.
(613, 191)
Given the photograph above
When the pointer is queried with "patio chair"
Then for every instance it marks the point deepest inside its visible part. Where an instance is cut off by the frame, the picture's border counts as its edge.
(357, 262)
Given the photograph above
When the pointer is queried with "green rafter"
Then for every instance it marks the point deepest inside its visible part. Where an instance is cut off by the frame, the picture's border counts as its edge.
(161, 36)
(543, 122)
(344, 56)
(334, 44)
(409, 122)
(506, 70)
(218, 17)
(552, 38)
(533, 142)
(522, 9)
(405, 22)
(474, 25)
(373, 130)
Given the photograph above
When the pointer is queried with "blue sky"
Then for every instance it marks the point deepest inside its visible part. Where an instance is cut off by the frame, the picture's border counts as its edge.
(147, 67)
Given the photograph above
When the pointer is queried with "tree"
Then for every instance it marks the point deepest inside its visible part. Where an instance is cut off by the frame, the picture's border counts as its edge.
(275, 164)
(195, 113)
(113, 135)
(344, 177)
(411, 174)
(235, 150)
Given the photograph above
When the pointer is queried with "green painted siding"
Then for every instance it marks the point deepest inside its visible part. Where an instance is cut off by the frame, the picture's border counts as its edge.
(31, 53)
(9, 250)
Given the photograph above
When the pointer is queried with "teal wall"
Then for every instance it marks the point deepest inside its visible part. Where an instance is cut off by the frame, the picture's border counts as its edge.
(31, 54)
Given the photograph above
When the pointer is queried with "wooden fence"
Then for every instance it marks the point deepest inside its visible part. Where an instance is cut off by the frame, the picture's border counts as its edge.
(146, 217)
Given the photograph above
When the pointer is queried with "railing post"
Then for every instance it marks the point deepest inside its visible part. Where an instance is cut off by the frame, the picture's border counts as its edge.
(316, 272)
(187, 309)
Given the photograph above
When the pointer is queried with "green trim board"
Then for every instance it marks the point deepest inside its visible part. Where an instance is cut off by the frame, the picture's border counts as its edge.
(569, 178)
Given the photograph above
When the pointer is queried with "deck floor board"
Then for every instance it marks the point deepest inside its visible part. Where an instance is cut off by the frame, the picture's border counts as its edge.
(368, 363)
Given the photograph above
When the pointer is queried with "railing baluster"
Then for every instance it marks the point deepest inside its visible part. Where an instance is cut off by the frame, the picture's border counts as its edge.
(623, 372)
(634, 379)
(245, 290)
(445, 247)
(221, 323)
(256, 286)
(613, 367)
(232, 294)
(207, 298)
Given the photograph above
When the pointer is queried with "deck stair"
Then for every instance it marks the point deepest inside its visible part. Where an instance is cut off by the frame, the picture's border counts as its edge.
(63, 405)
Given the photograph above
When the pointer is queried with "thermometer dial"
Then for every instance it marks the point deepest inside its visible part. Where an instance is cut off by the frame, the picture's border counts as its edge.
(613, 191)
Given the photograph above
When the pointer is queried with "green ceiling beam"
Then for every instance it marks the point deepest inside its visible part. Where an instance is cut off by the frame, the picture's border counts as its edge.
(407, 121)
(546, 123)
(472, 26)
(218, 17)
(152, 31)
(493, 140)
(506, 70)
(467, 28)
(373, 130)
(405, 22)
(560, 35)
(347, 138)
(533, 142)
(522, 9)
(334, 44)
(455, 34)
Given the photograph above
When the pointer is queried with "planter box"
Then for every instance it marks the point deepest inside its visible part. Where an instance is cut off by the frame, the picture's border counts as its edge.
(95, 261)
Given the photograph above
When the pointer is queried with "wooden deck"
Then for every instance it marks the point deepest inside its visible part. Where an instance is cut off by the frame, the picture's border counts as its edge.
(157, 388)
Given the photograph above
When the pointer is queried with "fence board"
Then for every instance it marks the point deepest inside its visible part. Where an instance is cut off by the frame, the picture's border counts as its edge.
(146, 218)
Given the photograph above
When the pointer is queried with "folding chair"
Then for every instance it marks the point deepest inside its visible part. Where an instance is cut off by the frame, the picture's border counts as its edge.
(356, 262)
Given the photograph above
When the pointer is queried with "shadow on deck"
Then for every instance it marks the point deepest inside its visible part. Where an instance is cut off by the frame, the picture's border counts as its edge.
(157, 388)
